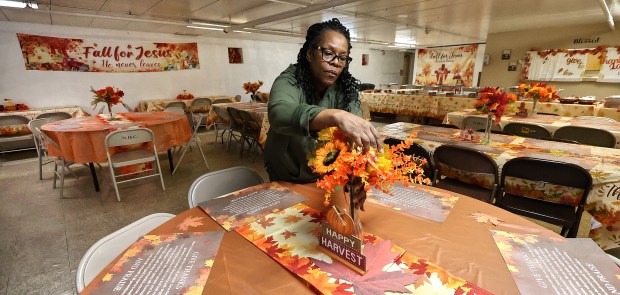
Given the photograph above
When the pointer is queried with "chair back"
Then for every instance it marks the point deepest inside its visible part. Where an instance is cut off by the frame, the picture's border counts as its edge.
(179, 104)
(236, 123)
(200, 103)
(99, 255)
(174, 109)
(526, 130)
(128, 137)
(55, 116)
(418, 151)
(238, 98)
(249, 121)
(586, 135)
(222, 182)
(466, 171)
(13, 120)
(222, 114)
(46, 138)
(477, 123)
(544, 189)
(222, 100)
(35, 128)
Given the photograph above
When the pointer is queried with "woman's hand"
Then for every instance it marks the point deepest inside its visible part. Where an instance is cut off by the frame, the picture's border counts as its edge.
(359, 130)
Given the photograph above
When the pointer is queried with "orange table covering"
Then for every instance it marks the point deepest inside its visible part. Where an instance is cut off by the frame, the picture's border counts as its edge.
(461, 245)
(82, 140)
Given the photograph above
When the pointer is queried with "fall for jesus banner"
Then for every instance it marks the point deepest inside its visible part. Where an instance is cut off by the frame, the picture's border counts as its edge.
(446, 65)
(44, 53)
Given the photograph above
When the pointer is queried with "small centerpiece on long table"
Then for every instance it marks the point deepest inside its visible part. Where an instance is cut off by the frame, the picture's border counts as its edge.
(493, 102)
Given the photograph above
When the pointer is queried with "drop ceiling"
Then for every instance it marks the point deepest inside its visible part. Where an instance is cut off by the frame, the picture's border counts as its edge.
(416, 23)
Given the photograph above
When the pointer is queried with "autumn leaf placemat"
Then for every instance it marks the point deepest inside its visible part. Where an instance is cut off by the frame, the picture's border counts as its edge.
(290, 238)
(427, 204)
(249, 205)
(163, 264)
(542, 265)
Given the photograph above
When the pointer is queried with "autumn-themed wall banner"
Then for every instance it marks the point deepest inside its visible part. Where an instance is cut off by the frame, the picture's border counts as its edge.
(446, 65)
(45, 53)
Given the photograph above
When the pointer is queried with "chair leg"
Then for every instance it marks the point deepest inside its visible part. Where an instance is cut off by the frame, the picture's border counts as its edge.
(198, 143)
(182, 155)
(229, 140)
(161, 176)
(40, 167)
(62, 178)
(216, 133)
(113, 176)
(72, 173)
(55, 173)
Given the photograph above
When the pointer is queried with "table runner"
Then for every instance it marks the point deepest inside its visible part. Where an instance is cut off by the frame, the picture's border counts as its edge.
(602, 163)
(289, 237)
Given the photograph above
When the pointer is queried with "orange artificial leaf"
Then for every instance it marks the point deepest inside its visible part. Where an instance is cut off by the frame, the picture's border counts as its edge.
(287, 234)
(190, 222)
(266, 222)
(292, 219)
(484, 218)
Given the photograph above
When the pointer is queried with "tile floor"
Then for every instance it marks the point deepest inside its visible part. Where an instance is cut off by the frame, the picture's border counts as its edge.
(43, 238)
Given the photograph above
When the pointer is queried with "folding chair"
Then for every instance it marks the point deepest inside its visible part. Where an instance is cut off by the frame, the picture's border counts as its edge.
(132, 136)
(587, 135)
(174, 109)
(222, 100)
(551, 191)
(39, 144)
(526, 130)
(236, 125)
(221, 182)
(197, 120)
(99, 255)
(200, 105)
(58, 161)
(466, 171)
(178, 104)
(222, 122)
(251, 130)
(55, 116)
(19, 137)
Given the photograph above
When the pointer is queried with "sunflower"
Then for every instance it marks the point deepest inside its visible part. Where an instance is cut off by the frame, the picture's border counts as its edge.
(329, 156)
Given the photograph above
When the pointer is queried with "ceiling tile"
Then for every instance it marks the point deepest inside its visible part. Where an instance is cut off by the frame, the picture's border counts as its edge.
(26, 16)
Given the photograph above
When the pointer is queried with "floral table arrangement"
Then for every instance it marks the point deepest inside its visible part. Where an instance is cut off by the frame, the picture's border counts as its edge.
(185, 95)
(109, 96)
(252, 87)
(538, 92)
(494, 103)
(9, 106)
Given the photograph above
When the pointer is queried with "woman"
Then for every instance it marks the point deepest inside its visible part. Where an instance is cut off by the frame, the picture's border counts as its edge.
(315, 93)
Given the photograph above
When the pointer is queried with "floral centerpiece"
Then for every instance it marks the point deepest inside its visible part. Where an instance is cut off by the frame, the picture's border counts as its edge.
(538, 92)
(339, 164)
(9, 106)
(250, 87)
(493, 102)
(185, 95)
(109, 96)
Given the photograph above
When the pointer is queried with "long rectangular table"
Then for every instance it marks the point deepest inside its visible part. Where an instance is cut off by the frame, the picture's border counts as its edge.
(602, 163)
(158, 105)
(549, 122)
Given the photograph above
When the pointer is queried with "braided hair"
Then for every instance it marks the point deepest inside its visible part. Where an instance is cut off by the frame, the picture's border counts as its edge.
(347, 85)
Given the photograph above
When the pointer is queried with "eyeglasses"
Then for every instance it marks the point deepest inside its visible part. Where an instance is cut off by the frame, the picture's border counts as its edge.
(330, 56)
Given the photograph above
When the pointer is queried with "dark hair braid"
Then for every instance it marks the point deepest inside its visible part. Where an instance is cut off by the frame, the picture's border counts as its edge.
(347, 84)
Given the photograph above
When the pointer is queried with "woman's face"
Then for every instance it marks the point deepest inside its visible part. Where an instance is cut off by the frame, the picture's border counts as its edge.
(325, 73)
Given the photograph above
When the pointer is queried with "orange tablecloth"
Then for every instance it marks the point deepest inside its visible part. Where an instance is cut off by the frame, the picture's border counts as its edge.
(82, 140)
(258, 110)
(460, 245)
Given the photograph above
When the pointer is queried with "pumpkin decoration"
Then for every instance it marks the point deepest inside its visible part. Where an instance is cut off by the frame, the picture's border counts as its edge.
(340, 221)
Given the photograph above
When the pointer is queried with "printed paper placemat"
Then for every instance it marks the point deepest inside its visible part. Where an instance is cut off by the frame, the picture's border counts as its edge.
(541, 265)
(249, 205)
(163, 264)
(425, 204)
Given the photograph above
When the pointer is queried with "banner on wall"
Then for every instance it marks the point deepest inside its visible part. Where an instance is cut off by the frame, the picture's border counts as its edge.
(610, 68)
(43, 53)
(446, 65)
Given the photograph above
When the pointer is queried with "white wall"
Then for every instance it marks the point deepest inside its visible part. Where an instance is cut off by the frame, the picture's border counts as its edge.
(262, 60)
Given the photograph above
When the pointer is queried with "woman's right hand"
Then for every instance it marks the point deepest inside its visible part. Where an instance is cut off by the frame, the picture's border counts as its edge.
(359, 130)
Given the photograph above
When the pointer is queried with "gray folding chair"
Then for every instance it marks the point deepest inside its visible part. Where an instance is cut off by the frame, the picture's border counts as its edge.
(99, 255)
(174, 109)
(55, 116)
(237, 98)
(58, 161)
(198, 106)
(222, 122)
(251, 130)
(19, 142)
(197, 120)
(587, 135)
(132, 136)
(178, 104)
(236, 125)
(526, 130)
(35, 126)
(222, 100)
(221, 182)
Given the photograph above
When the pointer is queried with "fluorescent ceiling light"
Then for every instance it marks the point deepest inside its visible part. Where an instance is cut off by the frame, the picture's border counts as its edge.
(205, 28)
(289, 2)
(244, 32)
(14, 4)
(201, 23)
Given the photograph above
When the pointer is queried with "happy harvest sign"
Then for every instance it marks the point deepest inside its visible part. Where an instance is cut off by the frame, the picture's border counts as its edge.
(446, 65)
(44, 53)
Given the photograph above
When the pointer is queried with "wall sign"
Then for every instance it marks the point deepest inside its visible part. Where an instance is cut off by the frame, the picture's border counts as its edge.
(43, 53)
(446, 65)
(586, 40)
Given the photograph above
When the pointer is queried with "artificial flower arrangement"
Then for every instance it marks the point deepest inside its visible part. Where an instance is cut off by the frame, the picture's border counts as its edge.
(185, 95)
(9, 106)
(539, 91)
(250, 87)
(339, 162)
(108, 95)
(493, 101)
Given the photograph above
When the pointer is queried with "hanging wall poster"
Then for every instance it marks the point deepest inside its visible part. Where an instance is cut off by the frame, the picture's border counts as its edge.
(610, 69)
(43, 53)
(446, 65)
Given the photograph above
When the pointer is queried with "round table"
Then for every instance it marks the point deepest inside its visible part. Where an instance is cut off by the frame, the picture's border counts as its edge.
(461, 245)
(82, 140)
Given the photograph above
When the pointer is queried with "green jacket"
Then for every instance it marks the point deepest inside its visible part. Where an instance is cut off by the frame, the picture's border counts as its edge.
(289, 140)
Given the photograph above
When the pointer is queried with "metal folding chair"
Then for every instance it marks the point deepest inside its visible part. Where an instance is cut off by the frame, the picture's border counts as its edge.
(55, 116)
(197, 122)
(222, 182)
(58, 161)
